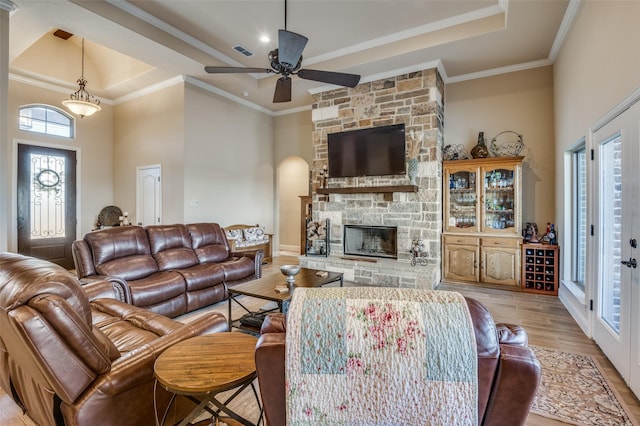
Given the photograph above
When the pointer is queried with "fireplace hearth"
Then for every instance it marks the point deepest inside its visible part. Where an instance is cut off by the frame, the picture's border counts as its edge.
(372, 241)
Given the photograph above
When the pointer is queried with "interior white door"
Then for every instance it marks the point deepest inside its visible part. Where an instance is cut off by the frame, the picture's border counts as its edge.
(616, 325)
(149, 195)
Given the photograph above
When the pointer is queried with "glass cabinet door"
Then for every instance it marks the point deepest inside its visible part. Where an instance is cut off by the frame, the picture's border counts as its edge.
(499, 200)
(462, 206)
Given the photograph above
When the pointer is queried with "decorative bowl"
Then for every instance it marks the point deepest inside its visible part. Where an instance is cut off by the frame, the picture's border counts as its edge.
(290, 271)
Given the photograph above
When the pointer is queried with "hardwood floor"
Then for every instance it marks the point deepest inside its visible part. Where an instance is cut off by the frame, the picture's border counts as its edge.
(546, 320)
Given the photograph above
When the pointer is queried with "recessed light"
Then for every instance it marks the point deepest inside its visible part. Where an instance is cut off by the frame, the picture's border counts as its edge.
(265, 39)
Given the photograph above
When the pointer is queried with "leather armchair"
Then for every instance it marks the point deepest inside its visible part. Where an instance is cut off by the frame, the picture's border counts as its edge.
(67, 360)
(508, 371)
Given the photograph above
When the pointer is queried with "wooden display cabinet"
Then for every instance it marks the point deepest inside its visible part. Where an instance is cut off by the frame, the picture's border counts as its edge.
(540, 269)
(482, 220)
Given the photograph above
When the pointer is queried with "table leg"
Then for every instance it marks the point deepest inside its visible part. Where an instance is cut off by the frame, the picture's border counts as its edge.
(224, 408)
(229, 314)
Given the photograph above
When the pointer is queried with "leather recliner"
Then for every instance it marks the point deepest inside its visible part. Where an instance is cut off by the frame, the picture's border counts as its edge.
(508, 371)
(67, 360)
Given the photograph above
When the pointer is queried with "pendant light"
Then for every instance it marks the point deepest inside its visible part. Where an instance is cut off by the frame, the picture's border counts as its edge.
(81, 102)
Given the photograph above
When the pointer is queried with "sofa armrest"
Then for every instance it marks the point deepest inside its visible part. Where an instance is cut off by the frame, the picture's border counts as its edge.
(257, 256)
(270, 356)
(82, 259)
(514, 387)
(110, 288)
(274, 323)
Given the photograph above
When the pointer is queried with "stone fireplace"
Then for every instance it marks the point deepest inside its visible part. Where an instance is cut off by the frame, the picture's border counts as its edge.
(414, 211)
(373, 241)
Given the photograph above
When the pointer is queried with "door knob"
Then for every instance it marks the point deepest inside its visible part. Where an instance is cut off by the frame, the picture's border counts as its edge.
(631, 263)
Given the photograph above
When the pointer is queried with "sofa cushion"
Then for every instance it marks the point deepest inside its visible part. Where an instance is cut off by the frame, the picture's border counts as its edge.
(238, 268)
(209, 242)
(122, 251)
(171, 246)
(156, 288)
(202, 276)
(126, 326)
(129, 268)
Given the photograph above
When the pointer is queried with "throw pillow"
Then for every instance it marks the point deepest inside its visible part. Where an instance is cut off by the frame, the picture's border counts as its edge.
(255, 233)
(234, 234)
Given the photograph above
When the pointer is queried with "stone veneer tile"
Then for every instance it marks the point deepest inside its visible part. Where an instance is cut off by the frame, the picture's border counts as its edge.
(402, 99)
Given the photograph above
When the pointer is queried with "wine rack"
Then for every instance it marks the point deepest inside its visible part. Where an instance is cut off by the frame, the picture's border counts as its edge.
(540, 269)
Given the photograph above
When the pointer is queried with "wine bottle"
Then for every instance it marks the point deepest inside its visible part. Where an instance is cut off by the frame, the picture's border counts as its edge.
(552, 235)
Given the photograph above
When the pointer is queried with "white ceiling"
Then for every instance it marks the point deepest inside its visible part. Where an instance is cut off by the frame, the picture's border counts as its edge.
(136, 45)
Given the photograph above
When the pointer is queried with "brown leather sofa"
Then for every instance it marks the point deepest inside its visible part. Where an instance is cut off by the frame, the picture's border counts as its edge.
(67, 360)
(167, 269)
(508, 371)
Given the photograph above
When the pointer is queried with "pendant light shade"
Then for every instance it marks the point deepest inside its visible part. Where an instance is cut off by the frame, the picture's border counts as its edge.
(81, 102)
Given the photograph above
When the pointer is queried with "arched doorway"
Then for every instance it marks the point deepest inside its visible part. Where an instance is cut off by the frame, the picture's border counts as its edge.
(293, 181)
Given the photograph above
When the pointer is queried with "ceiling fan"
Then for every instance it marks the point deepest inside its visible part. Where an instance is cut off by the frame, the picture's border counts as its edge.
(286, 61)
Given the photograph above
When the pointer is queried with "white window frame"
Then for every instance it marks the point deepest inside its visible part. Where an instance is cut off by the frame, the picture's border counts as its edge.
(570, 237)
(24, 118)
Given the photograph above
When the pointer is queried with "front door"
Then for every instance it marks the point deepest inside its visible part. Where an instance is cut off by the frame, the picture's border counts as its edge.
(617, 160)
(46, 189)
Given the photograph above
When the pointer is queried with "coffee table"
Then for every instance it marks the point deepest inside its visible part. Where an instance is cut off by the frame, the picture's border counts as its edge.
(264, 288)
(201, 367)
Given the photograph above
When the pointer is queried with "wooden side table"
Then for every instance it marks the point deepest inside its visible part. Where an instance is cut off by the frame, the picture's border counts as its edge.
(203, 366)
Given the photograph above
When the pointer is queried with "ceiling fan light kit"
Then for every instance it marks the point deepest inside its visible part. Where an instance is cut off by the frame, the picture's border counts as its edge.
(286, 60)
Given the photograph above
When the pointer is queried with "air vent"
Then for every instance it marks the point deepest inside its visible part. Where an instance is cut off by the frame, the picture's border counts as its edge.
(242, 50)
(62, 34)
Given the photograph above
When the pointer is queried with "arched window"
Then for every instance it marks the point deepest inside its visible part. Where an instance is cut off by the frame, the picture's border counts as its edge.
(46, 119)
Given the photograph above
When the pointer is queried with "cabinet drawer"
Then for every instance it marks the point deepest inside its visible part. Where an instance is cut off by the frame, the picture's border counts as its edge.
(500, 242)
(453, 239)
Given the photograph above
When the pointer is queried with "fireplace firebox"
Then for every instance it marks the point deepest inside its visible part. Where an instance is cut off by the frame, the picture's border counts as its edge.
(373, 241)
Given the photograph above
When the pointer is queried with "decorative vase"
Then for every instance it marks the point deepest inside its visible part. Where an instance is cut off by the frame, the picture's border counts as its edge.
(412, 170)
(480, 150)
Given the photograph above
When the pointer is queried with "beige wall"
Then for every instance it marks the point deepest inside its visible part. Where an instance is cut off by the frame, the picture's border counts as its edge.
(150, 130)
(93, 143)
(293, 155)
(228, 162)
(598, 66)
(293, 136)
(522, 102)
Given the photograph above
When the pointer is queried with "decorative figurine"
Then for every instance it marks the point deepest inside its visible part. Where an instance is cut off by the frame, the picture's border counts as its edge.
(418, 252)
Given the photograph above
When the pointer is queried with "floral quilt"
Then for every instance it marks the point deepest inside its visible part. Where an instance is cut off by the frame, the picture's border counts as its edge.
(380, 356)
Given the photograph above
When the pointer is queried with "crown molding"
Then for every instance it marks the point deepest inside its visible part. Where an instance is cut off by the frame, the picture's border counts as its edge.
(59, 88)
(486, 12)
(565, 25)
(9, 6)
(501, 70)
(175, 32)
(149, 89)
(213, 89)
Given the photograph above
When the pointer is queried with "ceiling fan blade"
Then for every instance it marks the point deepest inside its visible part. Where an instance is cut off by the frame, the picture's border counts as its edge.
(283, 90)
(339, 78)
(232, 70)
(290, 47)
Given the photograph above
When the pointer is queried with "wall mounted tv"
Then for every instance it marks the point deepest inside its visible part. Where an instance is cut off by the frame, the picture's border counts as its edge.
(375, 151)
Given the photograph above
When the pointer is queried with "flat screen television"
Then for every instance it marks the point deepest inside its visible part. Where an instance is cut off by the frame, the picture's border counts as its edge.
(376, 151)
